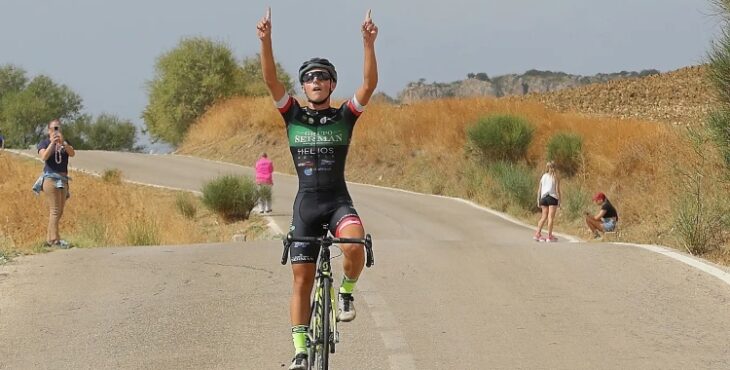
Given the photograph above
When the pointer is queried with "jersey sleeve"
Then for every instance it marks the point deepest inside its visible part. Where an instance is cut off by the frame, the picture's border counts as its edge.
(288, 107)
(352, 109)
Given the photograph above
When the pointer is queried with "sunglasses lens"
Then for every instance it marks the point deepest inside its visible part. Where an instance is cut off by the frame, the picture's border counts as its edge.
(320, 75)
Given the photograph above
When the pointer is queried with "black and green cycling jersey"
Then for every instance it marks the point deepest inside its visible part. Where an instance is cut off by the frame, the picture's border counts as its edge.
(319, 141)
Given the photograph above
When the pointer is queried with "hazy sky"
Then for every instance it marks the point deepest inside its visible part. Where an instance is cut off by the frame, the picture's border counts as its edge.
(106, 50)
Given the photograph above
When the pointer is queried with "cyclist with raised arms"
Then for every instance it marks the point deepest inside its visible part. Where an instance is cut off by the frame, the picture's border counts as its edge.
(319, 138)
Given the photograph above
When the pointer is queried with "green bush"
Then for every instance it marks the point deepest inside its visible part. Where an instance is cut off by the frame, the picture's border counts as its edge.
(186, 205)
(500, 137)
(143, 231)
(565, 150)
(516, 183)
(231, 197)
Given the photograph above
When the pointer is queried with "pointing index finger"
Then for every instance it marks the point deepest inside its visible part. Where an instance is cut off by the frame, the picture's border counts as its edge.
(268, 14)
(367, 16)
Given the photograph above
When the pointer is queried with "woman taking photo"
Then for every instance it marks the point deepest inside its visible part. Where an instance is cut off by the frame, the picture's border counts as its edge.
(55, 151)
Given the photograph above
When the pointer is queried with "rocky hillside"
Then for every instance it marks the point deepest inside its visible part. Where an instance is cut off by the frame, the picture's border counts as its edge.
(679, 97)
(532, 81)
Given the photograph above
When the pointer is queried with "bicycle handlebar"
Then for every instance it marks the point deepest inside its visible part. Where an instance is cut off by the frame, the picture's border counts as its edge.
(328, 240)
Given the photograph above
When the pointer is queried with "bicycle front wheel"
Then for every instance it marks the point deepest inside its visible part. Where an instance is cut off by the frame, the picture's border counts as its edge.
(323, 353)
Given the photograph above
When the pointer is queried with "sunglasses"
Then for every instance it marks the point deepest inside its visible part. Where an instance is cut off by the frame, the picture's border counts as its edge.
(320, 75)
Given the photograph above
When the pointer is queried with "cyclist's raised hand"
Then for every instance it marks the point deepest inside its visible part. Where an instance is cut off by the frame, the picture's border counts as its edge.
(263, 28)
(369, 29)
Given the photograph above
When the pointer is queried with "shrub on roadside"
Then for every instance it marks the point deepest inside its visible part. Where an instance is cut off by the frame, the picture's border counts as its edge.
(500, 137)
(6, 248)
(143, 231)
(719, 75)
(185, 204)
(112, 176)
(719, 124)
(565, 149)
(699, 225)
(93, 233)
(474, 180)
(576, 201)
(231, 197)
(516, 183)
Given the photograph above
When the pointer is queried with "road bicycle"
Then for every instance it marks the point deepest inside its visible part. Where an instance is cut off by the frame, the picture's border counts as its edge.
(322, 334)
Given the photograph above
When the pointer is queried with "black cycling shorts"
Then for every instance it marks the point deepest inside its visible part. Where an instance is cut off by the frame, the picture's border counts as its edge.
(548, 200)
(313, 215)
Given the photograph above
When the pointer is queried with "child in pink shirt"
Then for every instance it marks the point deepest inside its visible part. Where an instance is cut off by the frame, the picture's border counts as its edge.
(264, 179)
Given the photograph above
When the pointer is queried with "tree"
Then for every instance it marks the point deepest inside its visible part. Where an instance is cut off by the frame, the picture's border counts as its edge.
(481, 76)
(106, 132)
(61, 102)
(251, 82)
(23, 119)
(26, 110)
(12, 80)
(188, 79)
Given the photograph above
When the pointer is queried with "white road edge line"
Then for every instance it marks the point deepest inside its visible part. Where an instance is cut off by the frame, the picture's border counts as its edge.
(681, 257)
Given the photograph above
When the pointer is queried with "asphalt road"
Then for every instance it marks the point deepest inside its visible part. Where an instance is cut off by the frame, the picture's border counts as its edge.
(454, 287)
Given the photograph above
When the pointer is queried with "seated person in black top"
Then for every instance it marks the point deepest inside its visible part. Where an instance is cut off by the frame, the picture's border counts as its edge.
(606, 218)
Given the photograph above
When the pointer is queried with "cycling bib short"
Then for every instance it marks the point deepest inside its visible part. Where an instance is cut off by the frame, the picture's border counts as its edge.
(318, 142)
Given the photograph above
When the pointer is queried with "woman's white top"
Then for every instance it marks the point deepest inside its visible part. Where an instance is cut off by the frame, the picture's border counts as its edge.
(548, 186)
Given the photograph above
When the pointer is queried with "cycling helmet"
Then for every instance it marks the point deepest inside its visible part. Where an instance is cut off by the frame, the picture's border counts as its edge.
(316, 63)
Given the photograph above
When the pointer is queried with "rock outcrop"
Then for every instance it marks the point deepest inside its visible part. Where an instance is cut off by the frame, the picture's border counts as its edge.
(532, 81)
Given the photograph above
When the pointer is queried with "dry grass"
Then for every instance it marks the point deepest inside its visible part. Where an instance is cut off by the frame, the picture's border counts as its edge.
(421, 147)
(101, 213)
